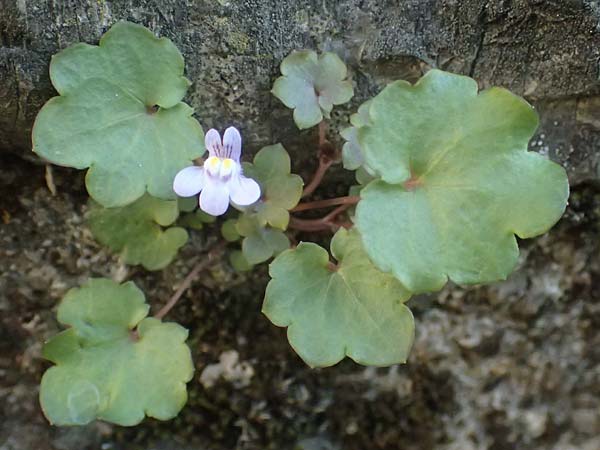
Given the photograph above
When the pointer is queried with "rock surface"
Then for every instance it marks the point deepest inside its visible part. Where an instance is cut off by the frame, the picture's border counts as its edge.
(514, 365)
(548, 51)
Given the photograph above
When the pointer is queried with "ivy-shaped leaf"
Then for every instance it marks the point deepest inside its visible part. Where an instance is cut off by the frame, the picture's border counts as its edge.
(187, 204)
(352, 157)
(260, 242)
(120, 114)
(239, 262)
(129, 56)
(105, 371)
(457, 182)
(281, 190)
(229, 230)
(196, 220)
(363, 178)
(311, 84)
(352, 310)
(135, 231)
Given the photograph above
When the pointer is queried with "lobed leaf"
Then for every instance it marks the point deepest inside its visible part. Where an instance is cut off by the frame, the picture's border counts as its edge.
(120, 115)
(229, 231)
(353, 310)
(196, 220)
(456, 182)
(102, 370)
(239, 262)
(136, 231)
(352, 157)
(281, 190)
(260, 241)
(187, 204)
(129, 56)
(311, 84)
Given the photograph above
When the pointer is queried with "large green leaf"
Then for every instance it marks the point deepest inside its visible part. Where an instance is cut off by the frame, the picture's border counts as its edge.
(457, 182)
(105, 371)
(281, 190)
(353, 310)
(136, 231)
(311, 84)
(107, 119)
(129, 56)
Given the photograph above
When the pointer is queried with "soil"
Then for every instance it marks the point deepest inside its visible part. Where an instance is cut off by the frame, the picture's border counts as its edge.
(511, 365)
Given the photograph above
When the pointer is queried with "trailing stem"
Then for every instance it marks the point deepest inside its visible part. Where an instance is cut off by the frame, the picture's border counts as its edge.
(326, 155)
(348, 200)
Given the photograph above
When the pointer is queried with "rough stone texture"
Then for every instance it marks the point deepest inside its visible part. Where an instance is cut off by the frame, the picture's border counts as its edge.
(546, 50)
(514, 365)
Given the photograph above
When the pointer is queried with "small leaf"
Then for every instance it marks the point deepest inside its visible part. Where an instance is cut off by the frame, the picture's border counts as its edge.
(187, 204)
(135, 231)
(352, 156)
(101, 371)
(239, 262)
(120, 114)
(354, 310)
(281, 190)
(362, 178)
(229, 231)
(311, 85)
(457, 182)
(260, 242)
(196, 220)
(264, 244)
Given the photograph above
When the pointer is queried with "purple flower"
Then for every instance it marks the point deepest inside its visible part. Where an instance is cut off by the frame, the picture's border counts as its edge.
(221, 178)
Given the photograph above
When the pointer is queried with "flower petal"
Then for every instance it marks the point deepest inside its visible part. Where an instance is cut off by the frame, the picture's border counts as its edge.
(232, 143)
(212, 141)
(214, 198)
(189, 181)
(243, 191)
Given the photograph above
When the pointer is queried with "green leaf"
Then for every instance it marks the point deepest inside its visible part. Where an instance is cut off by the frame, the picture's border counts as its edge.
(196, 219)
(457, 182)
(281, 190)
(105, 117)
(187, 204)
(362, 178)
(239, 262)
(135, 231)
(102, 370)
(129, 56)
(352, 157)
(311, 85)
(260, 242)
(353, 310)
(229, 231)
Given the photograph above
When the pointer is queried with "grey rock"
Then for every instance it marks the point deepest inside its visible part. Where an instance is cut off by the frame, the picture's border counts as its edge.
(547, 51)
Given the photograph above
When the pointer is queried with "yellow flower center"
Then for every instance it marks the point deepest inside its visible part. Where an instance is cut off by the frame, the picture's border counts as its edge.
(222, 168)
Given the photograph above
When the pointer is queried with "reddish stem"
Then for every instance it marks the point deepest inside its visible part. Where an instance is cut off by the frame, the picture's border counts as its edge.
(336, 212)
(310, 225)
(324, 164)
(324, 223)
(348, 200)
(325, 161)
(322, 133)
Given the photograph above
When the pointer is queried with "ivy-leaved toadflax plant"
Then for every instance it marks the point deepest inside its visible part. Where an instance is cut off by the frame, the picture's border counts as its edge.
(444, 183)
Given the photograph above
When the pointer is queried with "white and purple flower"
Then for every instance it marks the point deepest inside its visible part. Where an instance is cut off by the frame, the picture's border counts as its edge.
(221, 178)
